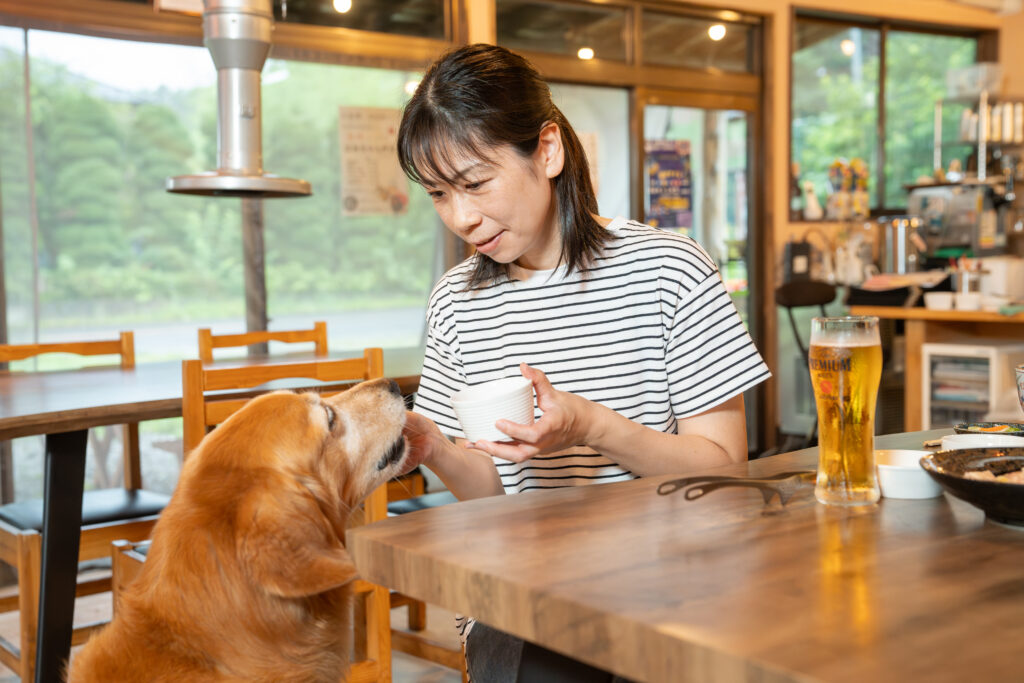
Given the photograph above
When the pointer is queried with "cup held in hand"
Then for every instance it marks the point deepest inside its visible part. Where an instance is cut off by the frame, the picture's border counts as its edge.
(479, 406)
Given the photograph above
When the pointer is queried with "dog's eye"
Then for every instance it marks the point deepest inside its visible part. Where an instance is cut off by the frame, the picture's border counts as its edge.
(330, 416)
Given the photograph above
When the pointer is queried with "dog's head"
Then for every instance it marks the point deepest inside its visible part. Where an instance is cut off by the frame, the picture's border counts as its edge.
(296, 465)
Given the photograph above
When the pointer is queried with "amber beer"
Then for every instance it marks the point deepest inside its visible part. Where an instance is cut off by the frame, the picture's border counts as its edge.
(846, 366)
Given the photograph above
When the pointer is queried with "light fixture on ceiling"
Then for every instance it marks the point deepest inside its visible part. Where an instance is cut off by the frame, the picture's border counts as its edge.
(716, 31)
(342, 6)
(585, 53)
(237, 34)
(848, 47)
(410, 87)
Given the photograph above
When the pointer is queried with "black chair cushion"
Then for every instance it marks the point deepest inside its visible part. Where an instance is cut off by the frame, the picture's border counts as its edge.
(427, 500)
(103, 505)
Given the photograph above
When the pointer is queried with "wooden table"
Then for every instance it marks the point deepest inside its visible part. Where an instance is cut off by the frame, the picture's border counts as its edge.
(657, 588)
(63, 406)
(922, 325)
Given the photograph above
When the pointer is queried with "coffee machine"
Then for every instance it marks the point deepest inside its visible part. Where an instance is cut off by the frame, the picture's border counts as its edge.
(956, 218)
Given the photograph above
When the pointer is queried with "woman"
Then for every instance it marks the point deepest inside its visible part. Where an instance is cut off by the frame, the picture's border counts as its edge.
(636, 353)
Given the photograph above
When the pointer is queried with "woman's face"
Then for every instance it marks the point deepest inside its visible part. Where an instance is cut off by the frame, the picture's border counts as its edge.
(504, 205)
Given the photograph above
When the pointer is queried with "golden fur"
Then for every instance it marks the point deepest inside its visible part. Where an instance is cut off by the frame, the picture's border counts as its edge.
(247, 577)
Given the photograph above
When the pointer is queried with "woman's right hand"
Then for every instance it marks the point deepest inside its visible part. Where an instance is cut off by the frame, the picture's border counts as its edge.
(425, 440)
(466, 473)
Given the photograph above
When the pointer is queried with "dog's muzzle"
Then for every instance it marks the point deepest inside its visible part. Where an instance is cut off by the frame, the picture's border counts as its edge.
(394, 454)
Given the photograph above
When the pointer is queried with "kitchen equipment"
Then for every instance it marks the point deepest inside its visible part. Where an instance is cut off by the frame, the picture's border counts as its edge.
(902, 246)
(237, 34)
(964, 217)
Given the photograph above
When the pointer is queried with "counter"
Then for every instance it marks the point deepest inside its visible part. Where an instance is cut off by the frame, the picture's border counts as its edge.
(923, 325)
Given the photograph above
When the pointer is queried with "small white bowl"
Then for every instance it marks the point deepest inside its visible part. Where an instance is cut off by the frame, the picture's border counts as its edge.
(900, 475)
(479, 406)
(968, 301)
(938, 301)
(955, 442)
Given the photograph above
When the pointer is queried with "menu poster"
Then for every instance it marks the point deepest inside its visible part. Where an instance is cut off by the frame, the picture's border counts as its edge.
(372, 182)
(669, 187)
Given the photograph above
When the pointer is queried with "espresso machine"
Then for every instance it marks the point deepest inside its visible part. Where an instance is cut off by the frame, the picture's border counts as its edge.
(969, 216)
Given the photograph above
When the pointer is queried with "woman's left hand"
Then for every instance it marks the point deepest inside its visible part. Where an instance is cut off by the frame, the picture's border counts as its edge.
(564, 423)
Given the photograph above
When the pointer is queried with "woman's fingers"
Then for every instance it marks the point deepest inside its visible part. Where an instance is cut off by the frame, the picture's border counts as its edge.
(513, 451)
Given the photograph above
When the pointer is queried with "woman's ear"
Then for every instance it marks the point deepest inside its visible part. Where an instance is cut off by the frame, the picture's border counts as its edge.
(550, 150)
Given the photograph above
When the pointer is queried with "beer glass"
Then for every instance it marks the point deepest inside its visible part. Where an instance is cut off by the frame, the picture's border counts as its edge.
(846, 366)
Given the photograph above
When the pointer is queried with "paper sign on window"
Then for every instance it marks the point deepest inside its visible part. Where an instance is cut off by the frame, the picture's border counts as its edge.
(669, 186)
(372, 182)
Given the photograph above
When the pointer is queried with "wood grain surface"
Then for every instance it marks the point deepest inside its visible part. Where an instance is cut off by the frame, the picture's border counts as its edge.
(50, 402)
(724, 588)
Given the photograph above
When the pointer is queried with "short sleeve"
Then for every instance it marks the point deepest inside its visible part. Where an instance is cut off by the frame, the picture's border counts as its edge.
(443, 372)
(710, 356)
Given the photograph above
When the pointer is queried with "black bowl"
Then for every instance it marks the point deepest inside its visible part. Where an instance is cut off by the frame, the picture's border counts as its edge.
(981, 428)
(1000, 501)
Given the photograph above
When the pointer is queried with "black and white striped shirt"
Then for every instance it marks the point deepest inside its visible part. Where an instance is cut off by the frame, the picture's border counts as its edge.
(648, 331)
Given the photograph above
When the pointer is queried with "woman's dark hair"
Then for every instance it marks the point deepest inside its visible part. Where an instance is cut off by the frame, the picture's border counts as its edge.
(479, 97)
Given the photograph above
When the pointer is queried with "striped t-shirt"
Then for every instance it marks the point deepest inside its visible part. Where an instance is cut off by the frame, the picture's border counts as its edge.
(647, 330)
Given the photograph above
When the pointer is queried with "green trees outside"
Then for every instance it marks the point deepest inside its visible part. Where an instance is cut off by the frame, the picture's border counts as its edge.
(113, 244)
(835, 101)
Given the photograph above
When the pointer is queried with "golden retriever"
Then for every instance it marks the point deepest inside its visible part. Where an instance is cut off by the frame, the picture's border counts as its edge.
(247, 578)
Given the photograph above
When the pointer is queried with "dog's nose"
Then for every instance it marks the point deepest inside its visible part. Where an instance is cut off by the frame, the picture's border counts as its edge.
(394, 388)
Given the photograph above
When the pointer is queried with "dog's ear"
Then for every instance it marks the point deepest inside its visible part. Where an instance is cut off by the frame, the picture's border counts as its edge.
(288, 546)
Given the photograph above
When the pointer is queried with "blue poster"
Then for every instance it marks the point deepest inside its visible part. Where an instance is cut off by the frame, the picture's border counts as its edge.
(669, 187)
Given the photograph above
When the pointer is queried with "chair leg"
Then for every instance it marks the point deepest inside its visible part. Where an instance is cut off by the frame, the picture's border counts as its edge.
(30, 554)
(378, 622)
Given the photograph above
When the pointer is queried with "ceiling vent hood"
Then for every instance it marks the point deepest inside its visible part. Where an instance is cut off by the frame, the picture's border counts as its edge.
(237, 34)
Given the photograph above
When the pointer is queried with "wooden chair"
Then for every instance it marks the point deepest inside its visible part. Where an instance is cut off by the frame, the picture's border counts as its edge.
(209, 341)
(202, 410)
(107, 514)
(803, 294)
(406, 486)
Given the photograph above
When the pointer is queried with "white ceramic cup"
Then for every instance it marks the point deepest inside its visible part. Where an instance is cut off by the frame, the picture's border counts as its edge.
(900, 475)
(479, 406)
(955, 442)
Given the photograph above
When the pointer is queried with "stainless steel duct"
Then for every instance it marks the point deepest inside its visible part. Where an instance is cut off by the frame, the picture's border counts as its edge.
(237, 34)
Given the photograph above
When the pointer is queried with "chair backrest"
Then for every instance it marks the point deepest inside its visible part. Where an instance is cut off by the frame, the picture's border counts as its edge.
(791, 295)
(201, 410)
(209, 341)
(123, 346)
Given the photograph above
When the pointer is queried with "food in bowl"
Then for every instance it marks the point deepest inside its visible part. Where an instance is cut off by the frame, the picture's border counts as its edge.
(990, 428)
(1010, 477)
(965, 474)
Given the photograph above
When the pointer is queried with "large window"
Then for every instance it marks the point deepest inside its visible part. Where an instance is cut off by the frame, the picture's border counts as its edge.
(93, 244)
(849, 79)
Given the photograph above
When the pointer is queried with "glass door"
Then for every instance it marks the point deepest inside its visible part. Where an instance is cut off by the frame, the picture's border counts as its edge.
(696, 178)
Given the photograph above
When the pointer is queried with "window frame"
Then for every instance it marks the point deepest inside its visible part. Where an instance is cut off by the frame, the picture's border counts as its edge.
(987, 50)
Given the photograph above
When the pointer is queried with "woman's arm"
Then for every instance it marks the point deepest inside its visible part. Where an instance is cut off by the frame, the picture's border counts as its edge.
(467, 473)
(716, 437)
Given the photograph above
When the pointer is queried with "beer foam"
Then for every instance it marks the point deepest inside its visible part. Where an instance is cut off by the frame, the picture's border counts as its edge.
(845, 338)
